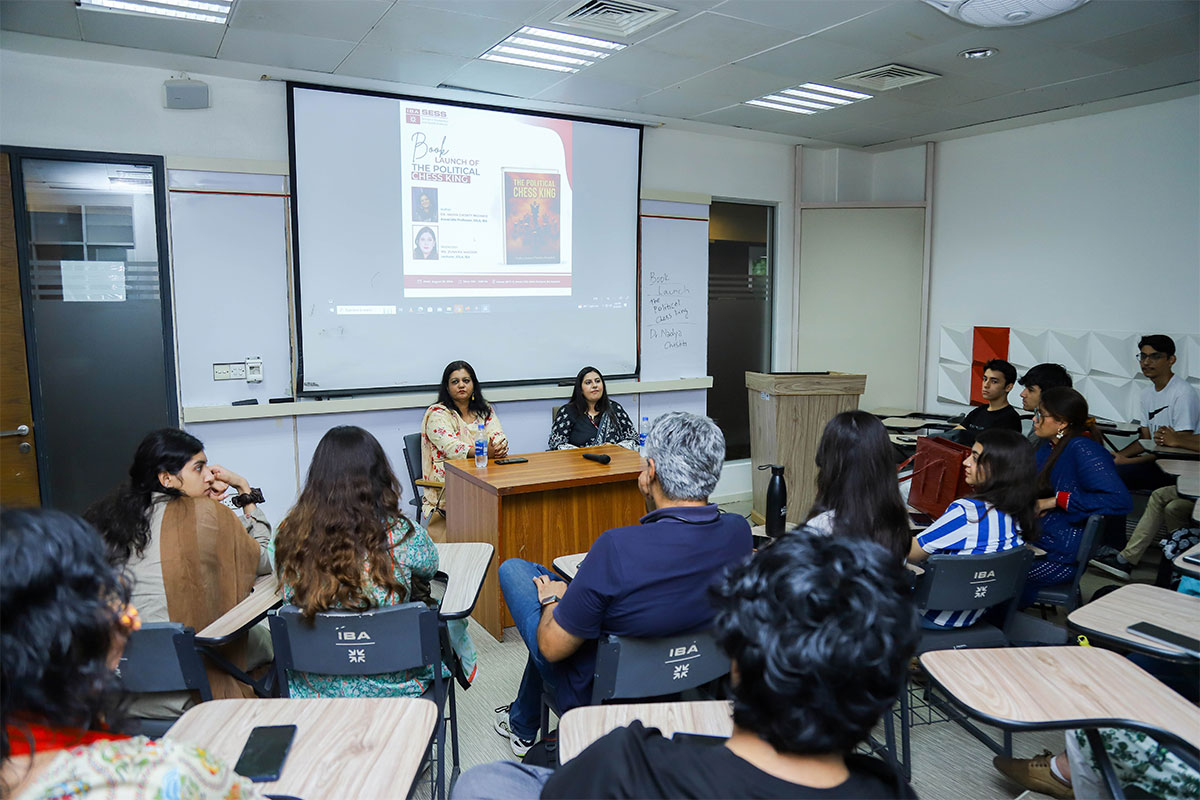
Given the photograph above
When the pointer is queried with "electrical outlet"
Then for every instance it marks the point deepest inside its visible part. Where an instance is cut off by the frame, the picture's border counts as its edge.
(253, 370)
(237, 372)
(229, 372)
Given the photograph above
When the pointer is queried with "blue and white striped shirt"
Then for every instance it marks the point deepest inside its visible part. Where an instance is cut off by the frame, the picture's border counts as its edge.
(969, 526)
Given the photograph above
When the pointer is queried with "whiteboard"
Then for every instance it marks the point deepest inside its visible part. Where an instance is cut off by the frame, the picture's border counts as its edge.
(674, 290)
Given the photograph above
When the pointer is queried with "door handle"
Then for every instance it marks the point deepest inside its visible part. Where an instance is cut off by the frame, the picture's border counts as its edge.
(22, 430)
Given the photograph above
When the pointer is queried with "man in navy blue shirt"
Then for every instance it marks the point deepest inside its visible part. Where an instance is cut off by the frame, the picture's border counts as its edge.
(645, 580)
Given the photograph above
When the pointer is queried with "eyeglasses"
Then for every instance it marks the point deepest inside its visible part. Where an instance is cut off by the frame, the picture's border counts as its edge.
(1151, 356)
(1038, 416)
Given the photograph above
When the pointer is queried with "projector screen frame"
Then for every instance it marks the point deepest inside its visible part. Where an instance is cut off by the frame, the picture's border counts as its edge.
(294, 203)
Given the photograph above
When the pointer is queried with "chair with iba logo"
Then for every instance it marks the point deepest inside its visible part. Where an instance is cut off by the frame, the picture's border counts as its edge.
(967, 583)
(381, 640)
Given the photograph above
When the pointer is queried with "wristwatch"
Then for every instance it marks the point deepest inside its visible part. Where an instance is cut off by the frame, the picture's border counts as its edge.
(548, 601)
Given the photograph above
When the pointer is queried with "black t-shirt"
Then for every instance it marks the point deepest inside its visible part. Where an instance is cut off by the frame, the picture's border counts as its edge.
(638, 762)
(981, 419)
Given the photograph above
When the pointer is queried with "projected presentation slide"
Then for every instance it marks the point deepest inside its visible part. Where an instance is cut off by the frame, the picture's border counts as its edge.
(495, 228)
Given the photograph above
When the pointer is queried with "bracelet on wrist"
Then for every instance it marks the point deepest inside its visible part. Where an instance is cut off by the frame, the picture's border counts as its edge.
(254, 496)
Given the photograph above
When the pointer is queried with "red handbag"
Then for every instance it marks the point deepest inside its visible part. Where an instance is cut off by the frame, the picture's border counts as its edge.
(937, 477)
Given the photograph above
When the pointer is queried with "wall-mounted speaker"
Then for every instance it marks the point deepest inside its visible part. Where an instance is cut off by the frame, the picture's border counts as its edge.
(181, 93)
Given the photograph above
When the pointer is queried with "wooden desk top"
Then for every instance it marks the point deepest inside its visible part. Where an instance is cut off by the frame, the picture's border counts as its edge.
(556, 469)
(584, 725)
(568, 566)
(1188, 486)
(1183, 469)
(904, 423)
(1185, 567)
(1108, 617)
(345, 747)
(1061, 687)
(465, 565)
(262, 598)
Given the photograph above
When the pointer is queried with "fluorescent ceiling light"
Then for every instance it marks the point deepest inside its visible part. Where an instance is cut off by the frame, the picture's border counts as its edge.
(809, 98)
(216, 11)
(544, 49)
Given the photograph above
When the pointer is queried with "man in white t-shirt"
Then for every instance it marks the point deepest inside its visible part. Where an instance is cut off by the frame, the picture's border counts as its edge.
(1169, 402)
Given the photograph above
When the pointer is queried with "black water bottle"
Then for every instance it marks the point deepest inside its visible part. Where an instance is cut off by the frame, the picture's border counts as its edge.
(776, 521)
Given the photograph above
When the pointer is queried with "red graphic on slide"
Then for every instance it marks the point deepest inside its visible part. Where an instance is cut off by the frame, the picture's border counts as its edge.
(988, 343)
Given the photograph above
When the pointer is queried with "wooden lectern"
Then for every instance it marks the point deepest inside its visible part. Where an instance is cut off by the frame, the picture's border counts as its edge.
(788, 413)
(555, 505)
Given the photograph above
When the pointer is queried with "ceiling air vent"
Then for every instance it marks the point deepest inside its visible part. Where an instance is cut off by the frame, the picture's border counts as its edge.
(891, 76)
(612, 17)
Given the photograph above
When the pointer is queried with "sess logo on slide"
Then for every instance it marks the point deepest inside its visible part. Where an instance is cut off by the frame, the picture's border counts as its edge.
(413, 115)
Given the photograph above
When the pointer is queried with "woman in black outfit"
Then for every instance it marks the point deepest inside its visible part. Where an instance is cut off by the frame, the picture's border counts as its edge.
(591, 417)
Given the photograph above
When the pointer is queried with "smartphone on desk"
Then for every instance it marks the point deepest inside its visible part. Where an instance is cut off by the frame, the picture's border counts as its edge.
(1192, 559)
(265, 751)
(1161, 635)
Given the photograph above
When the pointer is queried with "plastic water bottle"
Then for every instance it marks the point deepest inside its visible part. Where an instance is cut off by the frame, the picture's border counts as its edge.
(480, 447)
(645, 426)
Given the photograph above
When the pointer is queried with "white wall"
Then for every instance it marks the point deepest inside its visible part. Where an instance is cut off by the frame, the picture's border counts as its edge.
(1091, 223)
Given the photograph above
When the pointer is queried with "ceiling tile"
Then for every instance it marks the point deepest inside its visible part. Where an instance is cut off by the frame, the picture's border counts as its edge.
(898, 28)
(404, 66)
(1101, 19)
(584, 90)
(41, 17)
(183, 36)
(813, 59)
(867, 136)
(507, 10)
(503, 79)
(926, 122)
(949, 91)
(638, 65)
(718, 38)
(868, 112)
(409, 27)
(680, 103)
(744, 116)
(348, 20)
(735, 81)
(1148, 44)
(799, 18)
(1013, 43)
(1030, 73)
(284, 50)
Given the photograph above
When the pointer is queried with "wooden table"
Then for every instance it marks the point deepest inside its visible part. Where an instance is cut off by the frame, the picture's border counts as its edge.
(464, 564)
(555, 504)
(1188, 486)
(1185, 567)
(1105, 620)
(1049, 688)
(888, 411)
(1179, 467)
(262, 598)
(904, 423)
(582, 726)
(346, 747)
(568, 566)
(1163, 450)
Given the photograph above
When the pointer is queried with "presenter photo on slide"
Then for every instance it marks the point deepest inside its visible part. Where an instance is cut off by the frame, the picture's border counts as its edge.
(448, 432)
(424, 204)
(425, 244)
(591, 418)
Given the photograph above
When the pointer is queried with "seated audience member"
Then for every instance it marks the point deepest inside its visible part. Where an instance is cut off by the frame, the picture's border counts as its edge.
(819, 630)
(1075, 479)
(999, 377)
(190, 558)
(591, 417)
(858, 495)
(448, 432)
(994, 518)
(1169, 402)
(1164, 504)
(1037, 380)
(67, 617)
(346, 545)
(644, 580)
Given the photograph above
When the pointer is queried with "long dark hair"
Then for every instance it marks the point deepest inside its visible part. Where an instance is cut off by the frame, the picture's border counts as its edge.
(340, 521)
(61, 602)
(577, 398)
(1009, 474)
(123, 517)
(856, 479)
(481, 407)
(1071, 407)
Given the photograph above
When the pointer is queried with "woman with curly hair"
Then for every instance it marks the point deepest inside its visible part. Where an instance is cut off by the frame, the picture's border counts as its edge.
(189, 556)
(66, 618)
(346, 545)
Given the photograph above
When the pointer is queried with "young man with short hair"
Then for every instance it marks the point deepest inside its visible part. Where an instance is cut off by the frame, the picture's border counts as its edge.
(1037, 380)
(1170, 401)
(998, 379)
(819, 631)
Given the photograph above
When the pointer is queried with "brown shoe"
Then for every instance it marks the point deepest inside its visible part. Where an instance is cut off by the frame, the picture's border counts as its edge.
(1034, 773)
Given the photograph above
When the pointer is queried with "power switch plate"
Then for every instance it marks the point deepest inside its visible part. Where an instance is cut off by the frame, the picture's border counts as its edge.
(229, 372)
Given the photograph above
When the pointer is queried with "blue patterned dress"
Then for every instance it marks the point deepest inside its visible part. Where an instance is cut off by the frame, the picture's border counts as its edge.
(413, 553)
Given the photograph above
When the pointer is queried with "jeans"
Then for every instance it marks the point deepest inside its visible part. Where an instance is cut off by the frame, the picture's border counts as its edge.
(502, 780)
(516, 583)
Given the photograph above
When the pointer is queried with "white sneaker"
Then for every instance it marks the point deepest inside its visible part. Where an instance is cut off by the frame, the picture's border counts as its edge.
(519, 746)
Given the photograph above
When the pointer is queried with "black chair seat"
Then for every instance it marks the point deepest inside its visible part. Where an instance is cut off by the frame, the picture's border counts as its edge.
(978, 635)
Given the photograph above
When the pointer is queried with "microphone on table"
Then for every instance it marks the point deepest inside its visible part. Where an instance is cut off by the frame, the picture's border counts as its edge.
(599, 458)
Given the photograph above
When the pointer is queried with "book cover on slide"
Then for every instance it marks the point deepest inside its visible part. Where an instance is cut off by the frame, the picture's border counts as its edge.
(531, 216)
